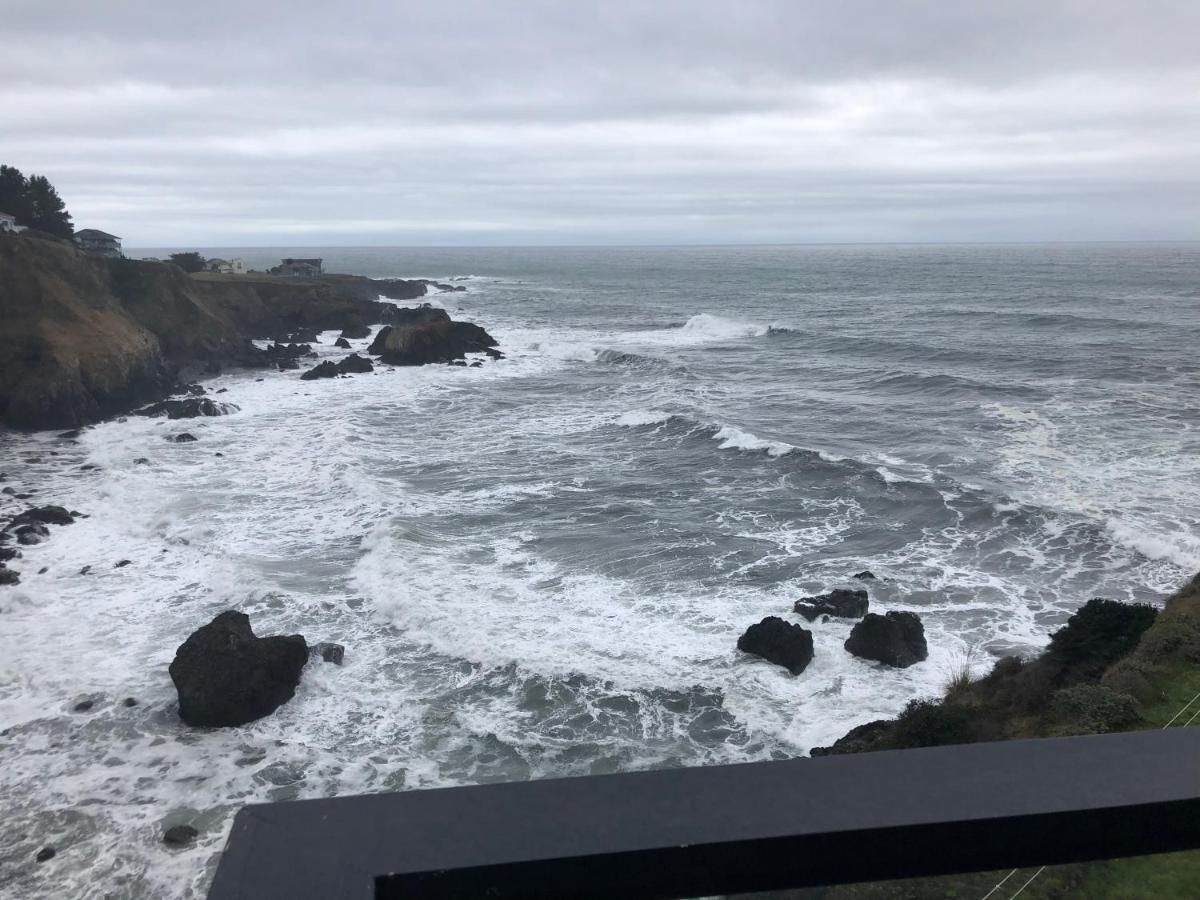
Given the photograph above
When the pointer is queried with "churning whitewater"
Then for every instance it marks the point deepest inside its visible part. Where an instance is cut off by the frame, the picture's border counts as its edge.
(542, 566)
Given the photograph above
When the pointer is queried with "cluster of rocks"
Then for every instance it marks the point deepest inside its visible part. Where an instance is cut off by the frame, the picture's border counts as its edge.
(190, 408)
(28, 528)
(894, 638)
(226, 675)
(350, 365)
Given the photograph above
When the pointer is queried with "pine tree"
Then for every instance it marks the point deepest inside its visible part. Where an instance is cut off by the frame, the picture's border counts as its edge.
(34, 202)
(48, 212)
(14, 194)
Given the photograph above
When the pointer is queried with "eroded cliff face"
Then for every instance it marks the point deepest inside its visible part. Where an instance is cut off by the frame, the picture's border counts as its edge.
(82, 338)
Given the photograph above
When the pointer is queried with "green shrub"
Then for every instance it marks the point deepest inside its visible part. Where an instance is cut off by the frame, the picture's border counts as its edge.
(928, 723)
(1093, 709)
(1095, 637)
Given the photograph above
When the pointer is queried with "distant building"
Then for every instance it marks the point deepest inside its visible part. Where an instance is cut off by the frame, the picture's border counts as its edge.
(98, 243)
(299, 268)
(226, 266)
(8, 224)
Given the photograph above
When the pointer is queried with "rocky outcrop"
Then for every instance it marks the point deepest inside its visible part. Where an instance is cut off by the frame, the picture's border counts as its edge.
(225, 675)
(351, 365)
(896, 639)
(355, 365)
(437, 341)
(190, 408)
(327, 369)
(840, 603)
(784, 643)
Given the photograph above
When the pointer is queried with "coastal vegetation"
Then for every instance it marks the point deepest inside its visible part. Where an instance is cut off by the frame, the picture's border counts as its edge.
(35, 203)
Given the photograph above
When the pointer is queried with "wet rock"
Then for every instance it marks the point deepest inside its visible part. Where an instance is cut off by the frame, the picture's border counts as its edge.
(8, 576)
(355, 365)
(183, 438)
(123, 563)
(435, 342)
(326, 369)
(493, 353)
(85, 570)
(9, 490)
(329, 652)
(190, 408)
(28, 535)
(179, 835)
(865, 575)
(841, 603)
(223, 391)
(225, 675)
(287, 365)
(342, 343)
(196, 390)
(88, 467)
(355, 332)
(477, 365)
(46, 515)
(46, 853)
(784, 643)
(129, 702)
(8, 553)
(896, 639)
(141, 461)
(43, 570)
(70, 435)
(84, 706)
(861, 739)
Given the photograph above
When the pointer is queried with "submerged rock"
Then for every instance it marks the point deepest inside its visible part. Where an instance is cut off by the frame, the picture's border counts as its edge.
(46, 515)
(225, 675)
(329, 652)
(784, 643)
(896, 639)
(28, 535)
(179, 835)
(184, 438)
(8, 576)
(841, 603)
(190, 408)
(46, 853)
(865, 575)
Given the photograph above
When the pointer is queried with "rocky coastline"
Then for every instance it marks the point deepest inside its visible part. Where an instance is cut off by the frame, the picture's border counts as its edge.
(88, 338)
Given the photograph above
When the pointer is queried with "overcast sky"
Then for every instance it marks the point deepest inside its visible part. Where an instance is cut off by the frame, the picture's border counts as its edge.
(313, 123)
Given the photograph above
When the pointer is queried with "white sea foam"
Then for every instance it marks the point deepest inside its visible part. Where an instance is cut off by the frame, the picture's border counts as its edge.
(640, 417)
(734, 438)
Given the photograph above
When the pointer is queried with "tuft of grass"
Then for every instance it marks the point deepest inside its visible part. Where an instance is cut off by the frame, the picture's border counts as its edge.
(960, 673)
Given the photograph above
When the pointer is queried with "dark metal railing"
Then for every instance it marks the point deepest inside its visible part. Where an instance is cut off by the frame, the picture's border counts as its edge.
(759, 826)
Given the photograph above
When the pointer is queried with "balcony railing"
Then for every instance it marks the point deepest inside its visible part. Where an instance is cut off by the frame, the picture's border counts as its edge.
(760, 826)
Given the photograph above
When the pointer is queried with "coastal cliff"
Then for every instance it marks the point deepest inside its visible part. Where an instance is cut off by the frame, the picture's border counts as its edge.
(84, 337)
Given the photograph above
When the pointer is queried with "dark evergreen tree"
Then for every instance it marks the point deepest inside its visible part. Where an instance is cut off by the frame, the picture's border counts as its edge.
(48, 212)
(34, 202)
(189, 262)
(14, 194)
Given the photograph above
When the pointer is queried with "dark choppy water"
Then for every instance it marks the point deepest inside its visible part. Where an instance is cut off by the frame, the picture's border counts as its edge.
(541, 567)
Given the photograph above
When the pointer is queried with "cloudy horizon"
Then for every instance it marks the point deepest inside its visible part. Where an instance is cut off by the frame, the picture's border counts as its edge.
(551, 123)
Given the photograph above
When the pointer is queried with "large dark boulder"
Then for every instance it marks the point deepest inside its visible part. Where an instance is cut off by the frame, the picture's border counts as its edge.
(841, 603)
(326, 369)
(190, 408)
(433, 342)
(355, 332)
(225, 675)
(342, 343)
(355, 365)
(897, 639)
(784, 643)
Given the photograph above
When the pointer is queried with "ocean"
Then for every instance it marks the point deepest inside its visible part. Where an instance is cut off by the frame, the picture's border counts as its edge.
(541, 567)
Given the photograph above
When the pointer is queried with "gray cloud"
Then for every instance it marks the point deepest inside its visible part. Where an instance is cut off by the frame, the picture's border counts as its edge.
(559, 122)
